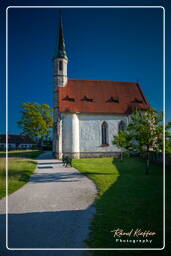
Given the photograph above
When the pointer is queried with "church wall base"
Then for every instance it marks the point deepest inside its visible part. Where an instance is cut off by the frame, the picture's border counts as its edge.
(57, 155)
(99, 154)
(77, 155)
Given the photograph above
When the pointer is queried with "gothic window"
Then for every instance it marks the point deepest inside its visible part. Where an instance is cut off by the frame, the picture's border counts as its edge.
(122, 126)
(60, 65)
(104, 133)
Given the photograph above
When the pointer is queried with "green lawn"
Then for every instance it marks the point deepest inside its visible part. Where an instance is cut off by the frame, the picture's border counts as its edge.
(22, 153)
(20, 168)
(127, 199)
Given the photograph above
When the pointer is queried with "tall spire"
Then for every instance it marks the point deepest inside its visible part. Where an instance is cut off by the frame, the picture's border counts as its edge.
(61, 53)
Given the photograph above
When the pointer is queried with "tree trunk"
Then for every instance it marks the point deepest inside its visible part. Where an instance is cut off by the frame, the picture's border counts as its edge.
(147, 161)
(40, 142)
(37, 140)
(121, 155)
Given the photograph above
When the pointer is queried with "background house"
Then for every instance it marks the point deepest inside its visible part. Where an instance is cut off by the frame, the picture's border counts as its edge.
(16, 141)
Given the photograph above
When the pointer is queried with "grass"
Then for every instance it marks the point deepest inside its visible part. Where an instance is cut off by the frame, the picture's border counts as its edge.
(127, 199)
(22, 153)
(101, 170)
(20, 168)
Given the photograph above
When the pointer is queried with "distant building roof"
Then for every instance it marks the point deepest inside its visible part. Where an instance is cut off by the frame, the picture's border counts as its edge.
(98, 96)
(16, 139)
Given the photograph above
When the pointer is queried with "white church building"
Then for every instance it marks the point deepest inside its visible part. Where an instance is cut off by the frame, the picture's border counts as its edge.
(87, 113)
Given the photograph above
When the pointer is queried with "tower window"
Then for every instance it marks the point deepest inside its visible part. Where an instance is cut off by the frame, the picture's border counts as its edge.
(104, 133)
(60, 65)
(121, 126)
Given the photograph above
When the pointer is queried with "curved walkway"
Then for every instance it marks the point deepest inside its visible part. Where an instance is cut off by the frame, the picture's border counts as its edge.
(53, 210)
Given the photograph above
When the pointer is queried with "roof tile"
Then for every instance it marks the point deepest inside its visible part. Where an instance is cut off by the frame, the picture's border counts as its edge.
(100, 92)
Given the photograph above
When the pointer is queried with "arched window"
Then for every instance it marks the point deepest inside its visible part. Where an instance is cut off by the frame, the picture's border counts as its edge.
(122, 126)
(104, 133)
(60, 65)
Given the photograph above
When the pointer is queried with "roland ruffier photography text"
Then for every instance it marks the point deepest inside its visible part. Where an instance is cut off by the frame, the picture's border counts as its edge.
(133, 236)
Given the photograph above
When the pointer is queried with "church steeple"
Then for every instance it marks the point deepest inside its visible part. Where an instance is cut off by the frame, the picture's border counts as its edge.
(60, 60)
(61, 52)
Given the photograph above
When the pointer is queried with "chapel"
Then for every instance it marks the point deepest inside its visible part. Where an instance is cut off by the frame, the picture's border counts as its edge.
(87, 113)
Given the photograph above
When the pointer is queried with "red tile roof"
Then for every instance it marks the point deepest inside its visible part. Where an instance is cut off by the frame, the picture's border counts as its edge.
(97, 96)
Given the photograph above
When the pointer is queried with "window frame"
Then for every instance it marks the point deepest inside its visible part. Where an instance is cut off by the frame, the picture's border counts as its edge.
(121, 126)
(60, 65)
(104, 134)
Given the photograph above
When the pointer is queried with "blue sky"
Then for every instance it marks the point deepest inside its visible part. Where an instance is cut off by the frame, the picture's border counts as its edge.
(105, 44)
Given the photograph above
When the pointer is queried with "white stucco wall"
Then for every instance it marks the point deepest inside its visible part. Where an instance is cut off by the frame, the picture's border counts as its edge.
(90, 131)
(70, 133)
(75, 133)
(82, 132)
(67, 132)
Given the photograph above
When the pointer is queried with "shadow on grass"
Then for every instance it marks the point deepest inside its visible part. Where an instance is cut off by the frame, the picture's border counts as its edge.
(134, 201)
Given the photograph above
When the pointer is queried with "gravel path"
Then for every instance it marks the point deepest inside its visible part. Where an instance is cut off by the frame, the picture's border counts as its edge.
(53, 210)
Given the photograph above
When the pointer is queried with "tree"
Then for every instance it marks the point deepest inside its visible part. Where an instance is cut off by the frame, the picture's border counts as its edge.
(122, 140)
(145, 133)
(36, 120)
(168, 138)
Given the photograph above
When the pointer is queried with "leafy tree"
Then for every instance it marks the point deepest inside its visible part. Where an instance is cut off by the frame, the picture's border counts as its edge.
(36, 120)
(168, 138)
(122, 140)
(145, 133)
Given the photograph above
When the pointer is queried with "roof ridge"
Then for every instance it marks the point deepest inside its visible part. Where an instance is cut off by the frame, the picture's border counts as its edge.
(102, 80)
(142, 94)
